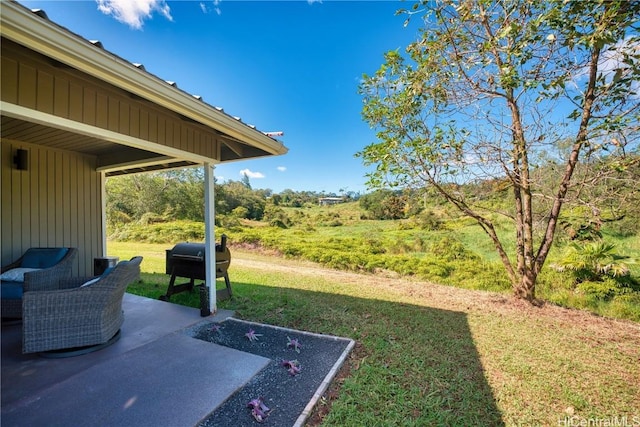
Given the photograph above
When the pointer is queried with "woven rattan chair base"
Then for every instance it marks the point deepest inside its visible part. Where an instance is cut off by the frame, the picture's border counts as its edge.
(78, 351)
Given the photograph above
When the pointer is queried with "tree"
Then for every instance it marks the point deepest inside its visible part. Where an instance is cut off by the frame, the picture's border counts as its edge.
(177, 194)
(491, 89)
(384, 204)
(235, 193)
(246, 181)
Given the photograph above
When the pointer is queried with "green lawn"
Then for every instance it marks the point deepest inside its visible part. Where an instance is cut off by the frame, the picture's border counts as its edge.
(434, 355)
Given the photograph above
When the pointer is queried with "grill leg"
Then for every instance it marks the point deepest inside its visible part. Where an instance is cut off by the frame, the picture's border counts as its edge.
(174, 289)
(227, 282)
(170, 291)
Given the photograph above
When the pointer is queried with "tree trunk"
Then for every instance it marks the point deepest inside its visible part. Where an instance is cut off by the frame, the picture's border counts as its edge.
(526, 287)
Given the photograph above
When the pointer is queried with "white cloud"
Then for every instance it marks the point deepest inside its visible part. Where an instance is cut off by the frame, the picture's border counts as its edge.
(216, 7)
(281, 168)
(314, 1)
(134, 12)
(251, 174)
(612, 65)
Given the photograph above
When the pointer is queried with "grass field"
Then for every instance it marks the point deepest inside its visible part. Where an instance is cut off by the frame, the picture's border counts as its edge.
(455, 252)
(434, 355)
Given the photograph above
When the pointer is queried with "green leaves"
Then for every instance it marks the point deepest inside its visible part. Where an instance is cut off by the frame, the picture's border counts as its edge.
(593, 261)
(489, 85)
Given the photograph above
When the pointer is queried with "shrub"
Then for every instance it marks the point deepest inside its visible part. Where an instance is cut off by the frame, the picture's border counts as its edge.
(150, 218)
(373, 246)
(276, 216)
(625, 227)
(419, 244)
(384, 204)
(625, 306)
(434, 270)
(593, 261)
(450, 249)
(240, 212)
(603, 290)
(428, 220)
(116, 217)
(161, 232)
(228, 221)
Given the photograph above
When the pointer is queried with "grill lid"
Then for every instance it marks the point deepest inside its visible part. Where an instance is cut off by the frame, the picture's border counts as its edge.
(191, 251)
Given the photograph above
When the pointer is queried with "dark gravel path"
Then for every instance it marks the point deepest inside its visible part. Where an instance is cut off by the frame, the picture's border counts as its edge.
(286, 395)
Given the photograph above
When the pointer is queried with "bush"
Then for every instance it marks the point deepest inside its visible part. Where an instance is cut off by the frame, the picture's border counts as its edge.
(625, 306)
(240, 212)
(172, 232)
(150, 218)
(228, 221)
(603, 290)
(276, 217)
(450, 249)
(428, 220)
(626, 227)
(373, 246)
(434, 270)
(116, 217)
(593, 261)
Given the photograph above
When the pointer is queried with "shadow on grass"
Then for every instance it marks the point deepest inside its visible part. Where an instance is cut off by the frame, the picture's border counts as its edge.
(414, 365)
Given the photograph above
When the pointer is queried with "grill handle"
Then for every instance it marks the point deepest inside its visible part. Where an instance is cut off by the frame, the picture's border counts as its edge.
(198, 257)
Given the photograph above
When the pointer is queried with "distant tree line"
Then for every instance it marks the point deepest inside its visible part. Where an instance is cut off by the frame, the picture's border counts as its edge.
(610, 200)
(179, 195)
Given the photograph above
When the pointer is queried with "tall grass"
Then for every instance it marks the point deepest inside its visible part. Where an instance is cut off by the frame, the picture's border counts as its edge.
(457, 253)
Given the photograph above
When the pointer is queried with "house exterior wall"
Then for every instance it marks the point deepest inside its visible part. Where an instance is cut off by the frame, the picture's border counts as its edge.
(32, 81)
(56, 202)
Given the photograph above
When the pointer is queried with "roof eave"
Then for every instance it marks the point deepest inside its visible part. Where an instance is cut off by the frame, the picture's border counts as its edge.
(41, 35)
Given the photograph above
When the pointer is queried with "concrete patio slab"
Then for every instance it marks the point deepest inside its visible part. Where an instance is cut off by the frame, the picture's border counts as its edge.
(175, 381)
(154, 375)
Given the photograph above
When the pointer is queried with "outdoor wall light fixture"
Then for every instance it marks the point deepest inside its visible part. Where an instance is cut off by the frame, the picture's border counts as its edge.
(21, 160)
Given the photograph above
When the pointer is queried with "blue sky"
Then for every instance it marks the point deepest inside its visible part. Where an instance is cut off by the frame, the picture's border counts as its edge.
(291, 66)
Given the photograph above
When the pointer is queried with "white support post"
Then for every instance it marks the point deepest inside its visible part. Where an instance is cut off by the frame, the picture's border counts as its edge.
(209, 234)
(103, 213)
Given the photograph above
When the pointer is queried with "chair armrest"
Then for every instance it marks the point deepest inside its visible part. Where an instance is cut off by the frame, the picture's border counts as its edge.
(47, 279)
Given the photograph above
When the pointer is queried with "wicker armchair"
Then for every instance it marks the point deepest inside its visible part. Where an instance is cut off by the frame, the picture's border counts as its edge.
(77, 316)
(44, 279)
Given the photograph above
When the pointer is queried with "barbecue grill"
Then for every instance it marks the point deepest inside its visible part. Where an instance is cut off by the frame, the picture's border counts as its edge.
(187, 260)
